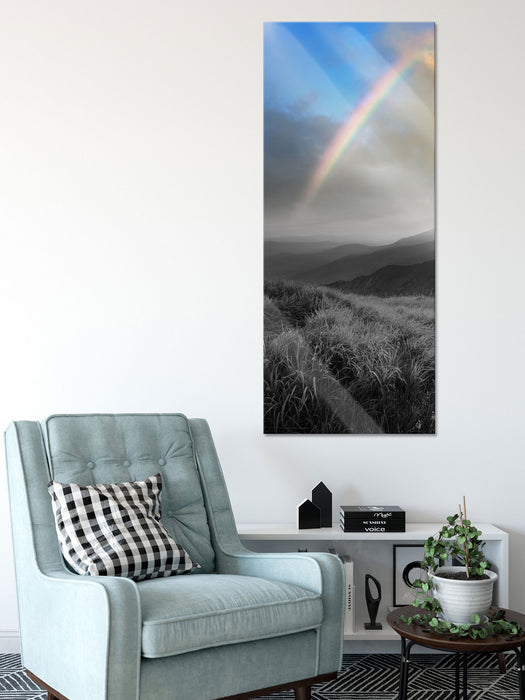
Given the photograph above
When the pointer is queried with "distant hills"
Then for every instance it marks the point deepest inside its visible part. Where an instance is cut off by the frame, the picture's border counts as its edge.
(290, 259)
(329, 262)
(394, 280)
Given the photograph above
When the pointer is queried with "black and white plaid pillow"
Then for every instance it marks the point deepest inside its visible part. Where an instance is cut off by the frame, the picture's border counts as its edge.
(115, 530)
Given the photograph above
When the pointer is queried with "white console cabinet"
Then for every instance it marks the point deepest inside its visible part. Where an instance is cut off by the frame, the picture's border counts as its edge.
(372, 553)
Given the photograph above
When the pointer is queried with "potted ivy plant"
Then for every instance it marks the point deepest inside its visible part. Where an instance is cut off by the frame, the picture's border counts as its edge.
(457, 598)
(465, 588)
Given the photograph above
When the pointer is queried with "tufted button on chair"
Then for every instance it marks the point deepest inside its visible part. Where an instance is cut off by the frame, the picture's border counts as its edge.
(243, 625)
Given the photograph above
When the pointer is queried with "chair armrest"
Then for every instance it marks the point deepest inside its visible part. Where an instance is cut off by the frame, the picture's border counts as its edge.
(318, 571)
(298, 568)
(82, 635)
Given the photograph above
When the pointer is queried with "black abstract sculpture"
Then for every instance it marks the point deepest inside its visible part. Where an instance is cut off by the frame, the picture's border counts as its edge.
(308, 516)
(372, 603)
(322, 498)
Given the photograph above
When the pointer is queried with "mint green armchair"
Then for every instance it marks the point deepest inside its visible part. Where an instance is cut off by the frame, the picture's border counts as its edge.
(243, 625)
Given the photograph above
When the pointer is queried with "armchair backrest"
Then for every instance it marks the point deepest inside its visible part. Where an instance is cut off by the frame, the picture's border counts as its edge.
(104, 448)
(110, 449)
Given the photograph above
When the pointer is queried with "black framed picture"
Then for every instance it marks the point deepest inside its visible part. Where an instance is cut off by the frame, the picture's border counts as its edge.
(406, 569)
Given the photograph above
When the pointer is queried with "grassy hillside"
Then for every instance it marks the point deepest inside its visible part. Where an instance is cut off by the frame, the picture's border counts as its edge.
(339, 362)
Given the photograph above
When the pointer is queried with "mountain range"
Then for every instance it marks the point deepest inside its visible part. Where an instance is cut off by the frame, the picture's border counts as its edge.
(394, 280)
(329, 262)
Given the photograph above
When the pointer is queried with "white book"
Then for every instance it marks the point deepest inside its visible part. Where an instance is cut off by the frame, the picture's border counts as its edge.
(349, 623)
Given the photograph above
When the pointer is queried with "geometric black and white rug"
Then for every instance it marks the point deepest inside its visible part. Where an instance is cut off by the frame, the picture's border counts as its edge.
(363, 677)
(432, 677)
(13, 681)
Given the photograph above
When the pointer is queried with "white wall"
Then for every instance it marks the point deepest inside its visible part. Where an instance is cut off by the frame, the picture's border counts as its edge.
(131, 256)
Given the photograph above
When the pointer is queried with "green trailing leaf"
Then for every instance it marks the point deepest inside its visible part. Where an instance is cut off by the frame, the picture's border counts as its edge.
(495, 625)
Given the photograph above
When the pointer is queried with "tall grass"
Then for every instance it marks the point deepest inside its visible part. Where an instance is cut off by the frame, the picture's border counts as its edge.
(297, 302)
(293, 402)
(379, 351)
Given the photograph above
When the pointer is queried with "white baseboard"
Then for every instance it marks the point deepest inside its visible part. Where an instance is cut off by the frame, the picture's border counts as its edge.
(9, 642)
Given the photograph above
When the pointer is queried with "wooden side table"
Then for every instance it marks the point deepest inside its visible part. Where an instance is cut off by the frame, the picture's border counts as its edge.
(461, 647)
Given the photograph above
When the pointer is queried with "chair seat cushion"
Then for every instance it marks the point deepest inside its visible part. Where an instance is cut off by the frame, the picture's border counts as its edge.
(182, 614)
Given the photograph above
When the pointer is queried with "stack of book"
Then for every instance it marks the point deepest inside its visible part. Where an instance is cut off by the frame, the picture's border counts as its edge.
(372, 519)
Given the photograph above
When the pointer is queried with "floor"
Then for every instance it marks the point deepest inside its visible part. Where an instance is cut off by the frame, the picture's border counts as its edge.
(363, 677)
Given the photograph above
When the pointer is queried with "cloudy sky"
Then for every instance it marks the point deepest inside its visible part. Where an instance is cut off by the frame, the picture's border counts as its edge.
(348, 131)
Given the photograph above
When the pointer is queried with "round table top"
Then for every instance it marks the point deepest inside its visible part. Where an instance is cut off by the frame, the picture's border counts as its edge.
(416, 633)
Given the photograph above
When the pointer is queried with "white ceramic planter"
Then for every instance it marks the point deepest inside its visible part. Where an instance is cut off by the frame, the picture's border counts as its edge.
(462, 599)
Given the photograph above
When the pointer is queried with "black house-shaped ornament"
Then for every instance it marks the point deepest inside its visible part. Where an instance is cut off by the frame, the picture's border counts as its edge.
(308, 515)
(322, 498)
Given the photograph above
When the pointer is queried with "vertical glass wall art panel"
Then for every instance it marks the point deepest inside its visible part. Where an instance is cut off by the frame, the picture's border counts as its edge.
(349, 255)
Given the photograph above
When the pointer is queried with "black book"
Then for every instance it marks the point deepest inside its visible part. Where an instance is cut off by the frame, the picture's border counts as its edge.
(378, 526)
(384, 515)
(371, 521)
(383, 512)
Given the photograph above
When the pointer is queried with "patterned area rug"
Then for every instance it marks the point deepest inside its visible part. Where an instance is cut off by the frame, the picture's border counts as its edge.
(363, 677)
(432, 677)
(13, 681)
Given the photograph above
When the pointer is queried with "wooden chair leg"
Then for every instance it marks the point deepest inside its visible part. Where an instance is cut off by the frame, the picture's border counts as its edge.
(303, 693)
(52, 694)
(501, 662)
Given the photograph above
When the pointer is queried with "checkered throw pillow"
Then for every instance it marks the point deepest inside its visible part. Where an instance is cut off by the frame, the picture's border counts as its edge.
(115, 530)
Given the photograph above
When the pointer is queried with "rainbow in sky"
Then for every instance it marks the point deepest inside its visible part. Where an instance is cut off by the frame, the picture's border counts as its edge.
(423, 52)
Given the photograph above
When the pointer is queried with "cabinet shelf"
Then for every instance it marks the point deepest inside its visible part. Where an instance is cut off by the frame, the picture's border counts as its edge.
(386, 634)
(372, 552)
(414, 531)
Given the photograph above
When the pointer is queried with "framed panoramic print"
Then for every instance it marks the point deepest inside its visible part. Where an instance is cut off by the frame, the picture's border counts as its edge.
(349, 254)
